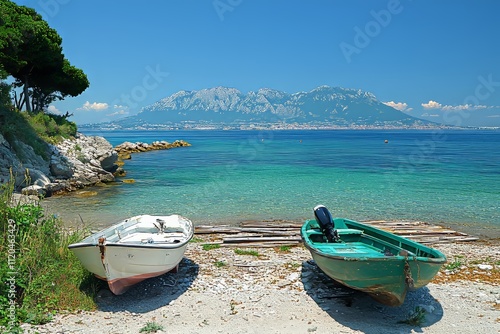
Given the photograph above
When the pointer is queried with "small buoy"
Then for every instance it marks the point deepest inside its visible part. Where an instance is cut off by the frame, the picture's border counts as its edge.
(386, 141)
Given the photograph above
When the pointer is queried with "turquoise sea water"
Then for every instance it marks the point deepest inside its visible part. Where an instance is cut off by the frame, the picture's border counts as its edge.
(449, 177)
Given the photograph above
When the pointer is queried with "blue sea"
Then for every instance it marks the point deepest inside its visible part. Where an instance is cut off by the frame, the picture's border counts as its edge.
(447, 177)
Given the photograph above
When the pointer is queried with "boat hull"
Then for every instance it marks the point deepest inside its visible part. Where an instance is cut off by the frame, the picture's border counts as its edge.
(132, 251)
(126, 266)
(367, 259)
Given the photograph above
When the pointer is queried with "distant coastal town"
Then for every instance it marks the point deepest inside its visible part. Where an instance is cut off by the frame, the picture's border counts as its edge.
(269, 126)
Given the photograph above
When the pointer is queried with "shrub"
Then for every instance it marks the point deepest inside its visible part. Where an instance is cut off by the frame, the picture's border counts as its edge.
(151, 327)
(33, 129)
(46, 276)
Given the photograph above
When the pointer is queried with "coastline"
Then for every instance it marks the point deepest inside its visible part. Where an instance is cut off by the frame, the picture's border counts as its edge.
(234, 176)
(285, 292)
(74, 218)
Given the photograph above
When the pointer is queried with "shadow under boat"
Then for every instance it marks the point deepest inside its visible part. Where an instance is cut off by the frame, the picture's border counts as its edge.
(358, 311)
(151, 293)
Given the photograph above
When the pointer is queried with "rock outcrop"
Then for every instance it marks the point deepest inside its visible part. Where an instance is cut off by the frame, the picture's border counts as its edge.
(125, 149)
(72, 164)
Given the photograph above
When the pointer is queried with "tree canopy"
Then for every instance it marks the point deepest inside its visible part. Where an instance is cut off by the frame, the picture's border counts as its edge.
(31, 52)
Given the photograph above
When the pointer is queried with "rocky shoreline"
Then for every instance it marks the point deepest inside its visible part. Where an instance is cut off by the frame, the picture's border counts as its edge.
(73, 164)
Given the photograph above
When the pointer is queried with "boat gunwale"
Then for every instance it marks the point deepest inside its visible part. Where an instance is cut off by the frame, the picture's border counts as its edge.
(165, 245)
(439, 258)
(130, 223)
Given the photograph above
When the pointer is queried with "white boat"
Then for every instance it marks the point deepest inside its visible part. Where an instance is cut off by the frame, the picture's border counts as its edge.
(135, 249)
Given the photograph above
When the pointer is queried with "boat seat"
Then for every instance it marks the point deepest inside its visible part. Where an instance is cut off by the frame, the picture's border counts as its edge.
(353, 249)
(341, 231)
(349, 231)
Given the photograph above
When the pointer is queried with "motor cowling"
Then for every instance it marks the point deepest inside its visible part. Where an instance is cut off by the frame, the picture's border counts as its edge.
(326, 223)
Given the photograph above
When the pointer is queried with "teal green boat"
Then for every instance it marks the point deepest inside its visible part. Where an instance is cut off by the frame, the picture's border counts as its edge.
(368, 259)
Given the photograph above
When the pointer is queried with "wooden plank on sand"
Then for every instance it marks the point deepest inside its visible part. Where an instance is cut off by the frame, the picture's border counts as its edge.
(275, 234)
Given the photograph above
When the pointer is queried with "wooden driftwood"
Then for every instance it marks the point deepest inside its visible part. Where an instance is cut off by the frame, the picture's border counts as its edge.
(285, 233)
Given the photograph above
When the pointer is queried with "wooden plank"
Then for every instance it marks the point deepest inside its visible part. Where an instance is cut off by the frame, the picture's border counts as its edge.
(271, 231)
(249, 239)
(269, 234)
(271, 224)
(212, 230)
(262, 245)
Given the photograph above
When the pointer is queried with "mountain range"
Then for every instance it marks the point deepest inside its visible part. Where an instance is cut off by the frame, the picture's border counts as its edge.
(322, 107)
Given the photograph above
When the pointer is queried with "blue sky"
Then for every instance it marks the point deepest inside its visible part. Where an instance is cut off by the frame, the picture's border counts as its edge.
(431, 59)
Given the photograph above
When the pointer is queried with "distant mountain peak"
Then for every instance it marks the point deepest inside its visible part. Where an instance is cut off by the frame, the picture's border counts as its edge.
(323, 106)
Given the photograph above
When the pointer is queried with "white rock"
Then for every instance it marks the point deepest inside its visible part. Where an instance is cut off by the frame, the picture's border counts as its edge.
(33, 190)
(485, 266)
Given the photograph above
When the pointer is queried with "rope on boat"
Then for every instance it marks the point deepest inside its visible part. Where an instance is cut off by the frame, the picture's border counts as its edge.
(408, 279)
(102, 250)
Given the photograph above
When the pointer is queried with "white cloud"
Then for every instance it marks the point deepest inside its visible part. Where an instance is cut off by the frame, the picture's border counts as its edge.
(436, 105)
(494, 116)
(465, 107)
(401, 106)
(94, 106)
(53, 110)
(432, 105)
(118, 113)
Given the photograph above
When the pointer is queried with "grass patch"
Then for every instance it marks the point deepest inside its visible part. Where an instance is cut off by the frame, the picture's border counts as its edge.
(415, 318)
(44, 275)
(220, 264)
(15, 128)
(196, 240)
(151, 327)
(208, 247)
(50, 127)
(246, 252)
(33, 129)
(293, 265)
(453, 265)
(284, 249)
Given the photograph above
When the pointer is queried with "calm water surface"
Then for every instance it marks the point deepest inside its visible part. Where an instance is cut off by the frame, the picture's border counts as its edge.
(442, 176)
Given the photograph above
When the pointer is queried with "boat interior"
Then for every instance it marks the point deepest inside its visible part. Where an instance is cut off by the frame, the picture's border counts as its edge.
(350, 239)
(355, 243)
(144, 230)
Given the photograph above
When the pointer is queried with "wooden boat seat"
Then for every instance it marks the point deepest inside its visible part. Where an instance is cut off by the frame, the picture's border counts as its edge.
(348, 246)
(139, 238)
(351, 249)
(317, 236)
(349, 231)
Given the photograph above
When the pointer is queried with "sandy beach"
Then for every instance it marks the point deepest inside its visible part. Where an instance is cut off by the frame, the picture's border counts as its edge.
(219, 291)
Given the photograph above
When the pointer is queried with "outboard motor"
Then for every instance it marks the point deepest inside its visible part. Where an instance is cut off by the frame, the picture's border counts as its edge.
(326, 223)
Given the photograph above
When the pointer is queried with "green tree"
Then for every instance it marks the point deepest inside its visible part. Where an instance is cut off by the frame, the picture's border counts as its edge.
(65, 81)
(31, 52)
